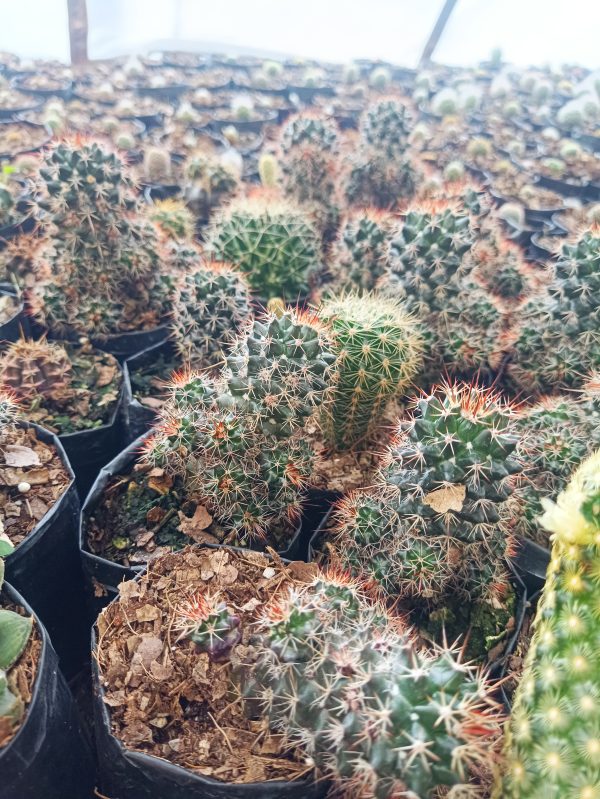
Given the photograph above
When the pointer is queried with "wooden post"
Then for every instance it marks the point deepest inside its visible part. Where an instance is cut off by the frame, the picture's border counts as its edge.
(436, 33)
(78, 31)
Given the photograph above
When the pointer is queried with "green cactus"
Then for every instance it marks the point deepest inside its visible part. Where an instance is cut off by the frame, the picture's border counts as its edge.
(210, 625)
(268, 170)
(212, 302)
(553, 739)
(8, 410)
(173, 219)
(236, 440)
(378, 348)
(437, 523)
(386, 126)
(499, 267)
(106, 270)
(156, 166)
(556, 339)
(308, 129)
(379, 718)
(273, 243)
(15, 631)
(361, 249)
(559, 433)
(374, 179)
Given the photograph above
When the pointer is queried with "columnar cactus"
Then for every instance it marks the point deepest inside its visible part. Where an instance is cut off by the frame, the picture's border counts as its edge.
(378, 347)
(36, 369)
(212, 302)
(173, 218)
(360, 251)
(15, 631)
(235, 440)
(559, 433)
(386, 126)
(273, 243)
(378, 717)
(555, 340)
(552, 740)
(438, 521)
(156, 166)
(106, 272)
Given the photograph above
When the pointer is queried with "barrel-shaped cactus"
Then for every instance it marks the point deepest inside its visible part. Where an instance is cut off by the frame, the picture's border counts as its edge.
(553, 737)
(174, 219)
(360, 251)
(378, 347)
(386, 126)
(36, 369)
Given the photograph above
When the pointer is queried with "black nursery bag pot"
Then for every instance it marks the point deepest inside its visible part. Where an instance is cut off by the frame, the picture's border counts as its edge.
(48, 757)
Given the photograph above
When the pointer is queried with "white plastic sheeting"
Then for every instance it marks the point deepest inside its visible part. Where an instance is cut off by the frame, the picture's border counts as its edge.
(527, 31)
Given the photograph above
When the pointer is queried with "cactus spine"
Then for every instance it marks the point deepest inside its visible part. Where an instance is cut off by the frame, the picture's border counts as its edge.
(360, 252)
(378, 349)
(173, 219)
(553, 737)
(36, 369)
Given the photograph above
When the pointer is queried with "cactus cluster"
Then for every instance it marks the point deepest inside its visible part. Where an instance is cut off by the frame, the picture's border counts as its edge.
(378, 349)
(437, 523)
(553, 738)
(338, 678)
(555, 342)
(235, 440)
(36, 369)
(211, 303)
(15, 631)
(106, 274)
(273, 243)
(360, 252)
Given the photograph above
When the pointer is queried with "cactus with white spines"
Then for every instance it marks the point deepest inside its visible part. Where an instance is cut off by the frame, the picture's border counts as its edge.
(211, 304)
(553, 736)
(8, 410)
(378, 348)
(385, 126)
(274, 244)
(235, 440)
(174, 219)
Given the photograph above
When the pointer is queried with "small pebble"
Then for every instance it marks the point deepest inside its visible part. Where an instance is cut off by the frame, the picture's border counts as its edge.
(269, 572)
(23, 487)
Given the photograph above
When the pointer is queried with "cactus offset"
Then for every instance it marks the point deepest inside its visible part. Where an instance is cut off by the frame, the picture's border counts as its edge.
(274, 244)
(210, 625)
(553, 738)
(235, 440)
(211, 303)
(36, 369)
(375, 715)
(378, 347)
(361, 249)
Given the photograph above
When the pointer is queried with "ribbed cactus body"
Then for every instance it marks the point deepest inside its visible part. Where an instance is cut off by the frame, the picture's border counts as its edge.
(438, 515)
(235, 440)
(212, 302)
(374, 179)
(309, 130)
(556, 339)
(8, 410)
(36, 369)
(275, 245)
(378, 348)
(553, 737)
(361, 249)
(375, 715)
(174, 219)
(386, 126)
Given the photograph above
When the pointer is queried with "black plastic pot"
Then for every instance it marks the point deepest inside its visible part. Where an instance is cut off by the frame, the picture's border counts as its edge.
(13, 113)
(537, 252)
(125, 774)
(149, 121)
(64, 92)
(102, 576)
(29, 124)
(172, 92)
(306, 94)
(160, 191)
(17, 326)
(48, 757)
(88, 450)
(246, 125)
(46, 569)
(138, 418)
(562, 187)
(124, 345)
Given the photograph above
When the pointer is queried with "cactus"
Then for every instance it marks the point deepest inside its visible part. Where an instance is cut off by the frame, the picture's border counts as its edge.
(211, 626)
(235, 440)
(378, 349)
(173, 219)
(385, 126)
(559, 433)
(156, 167)
(552, 739)
(437, 523)
(380, 78)
(273, 243)
(500, 268)
(36, 369)
(309, 130)
(556, 340)
(15, 631)
(106, 274)
(427, 255)
(212, 302)
(336, 677)
(361, 249)
(373, 179)
(268, 170)
(8, 410)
